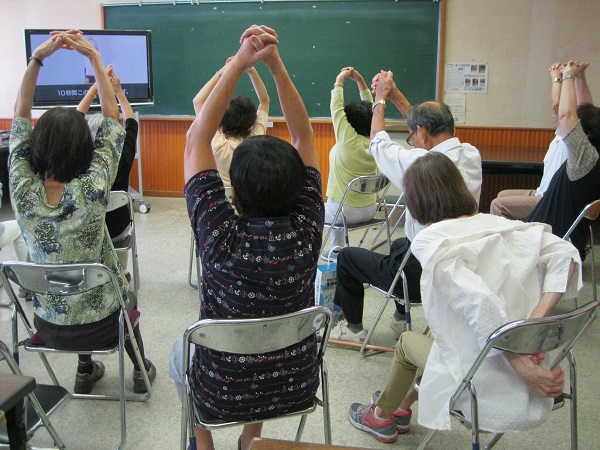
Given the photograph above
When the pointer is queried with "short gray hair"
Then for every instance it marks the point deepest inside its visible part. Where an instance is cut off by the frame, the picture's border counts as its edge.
(435, 117)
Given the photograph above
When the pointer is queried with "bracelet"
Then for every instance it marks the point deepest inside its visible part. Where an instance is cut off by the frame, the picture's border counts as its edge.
(568, 77)
(37, 60)
(557, 80)
(91, 93)
(338, 84)
(378, 102)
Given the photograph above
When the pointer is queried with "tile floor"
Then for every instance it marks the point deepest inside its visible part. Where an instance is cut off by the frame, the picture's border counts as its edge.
(168, 305)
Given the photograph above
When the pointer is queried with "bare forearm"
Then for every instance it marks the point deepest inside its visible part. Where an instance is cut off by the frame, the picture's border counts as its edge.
(126, 108)
(295, 115)
(87, 100)
(550, 299)
(583, 91)
(400, 101)
(203, 94)
(567, 108)
(24, 101)
(260, 89)
(378, 120)
(108, 103)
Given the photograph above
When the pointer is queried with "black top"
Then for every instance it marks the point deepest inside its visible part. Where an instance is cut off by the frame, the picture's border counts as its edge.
(117, 220)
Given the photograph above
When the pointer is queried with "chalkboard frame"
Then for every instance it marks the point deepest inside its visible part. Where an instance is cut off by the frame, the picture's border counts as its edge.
(403, 36)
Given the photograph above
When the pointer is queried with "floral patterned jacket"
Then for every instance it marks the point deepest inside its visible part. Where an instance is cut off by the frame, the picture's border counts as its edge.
(73, 231)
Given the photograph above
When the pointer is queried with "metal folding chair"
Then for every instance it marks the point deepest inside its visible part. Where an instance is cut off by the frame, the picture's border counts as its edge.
(254, 336)
(395, 202)
(65, 280)
(590, 212)
(42, 402)
(116, 200)
(389, 294)
(367, 184)
(529, 336)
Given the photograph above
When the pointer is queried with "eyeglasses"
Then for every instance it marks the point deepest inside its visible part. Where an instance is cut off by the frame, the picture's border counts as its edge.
(409, 140)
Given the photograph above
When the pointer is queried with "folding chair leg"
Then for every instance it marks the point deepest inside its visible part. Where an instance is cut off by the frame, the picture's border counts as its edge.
(494, 441)
(326, 413)
(427, 440)
(573, 399)
(301, 427)
(474, 418)
(372, 328)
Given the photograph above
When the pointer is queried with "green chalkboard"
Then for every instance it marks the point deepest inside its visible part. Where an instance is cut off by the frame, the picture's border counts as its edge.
(317, 38)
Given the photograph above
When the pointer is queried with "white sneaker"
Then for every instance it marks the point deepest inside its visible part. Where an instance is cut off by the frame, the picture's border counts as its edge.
(397, 326)
(341, 332)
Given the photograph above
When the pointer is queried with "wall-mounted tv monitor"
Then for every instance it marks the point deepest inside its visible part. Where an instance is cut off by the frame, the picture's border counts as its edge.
(67, 75)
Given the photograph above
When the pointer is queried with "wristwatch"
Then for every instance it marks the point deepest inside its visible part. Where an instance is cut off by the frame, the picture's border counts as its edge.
(378, 102)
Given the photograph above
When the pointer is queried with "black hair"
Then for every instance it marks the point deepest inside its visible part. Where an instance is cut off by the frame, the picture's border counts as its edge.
(62, 146)
(268, 175)
(589, 115)
(436, 118)
(239, 117)
(359, 115)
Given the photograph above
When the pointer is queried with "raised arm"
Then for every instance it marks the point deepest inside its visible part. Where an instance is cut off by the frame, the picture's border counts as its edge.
(264, 102)
(118, 90)
(198, 153)
(24, 101)
(556, 77)
(87, 100)
(292, 106)
(582, 89)
(567, 108)
(383, 83)
(203, 94)
(79, 43)
(355, 76)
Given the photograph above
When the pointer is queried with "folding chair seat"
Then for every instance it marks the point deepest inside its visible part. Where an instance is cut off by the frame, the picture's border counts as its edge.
(590, 212)
(389, 294)
(530, 336)
(249, 337)
(65, 280)
(41, 402)
(116, 200)
(194, 251)
(367, 184)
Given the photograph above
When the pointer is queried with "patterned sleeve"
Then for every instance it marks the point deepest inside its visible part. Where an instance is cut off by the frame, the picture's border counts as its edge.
(581, 154)
(208, 208)
(310, 207)
(20, 171)
(105, 162)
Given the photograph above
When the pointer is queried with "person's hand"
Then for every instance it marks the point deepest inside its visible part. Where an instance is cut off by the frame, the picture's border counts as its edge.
(258, 42)
(575, 68)
(344, 73)
(74, 40)
(384, 84)
(555, 70)
(48, 48)
(354, 74)
(546, 383)
(114, 79)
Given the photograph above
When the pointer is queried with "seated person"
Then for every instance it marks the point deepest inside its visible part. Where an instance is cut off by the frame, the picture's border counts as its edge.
(431, 127)
(117, 221)
(270, 250)
(577, 181)
(60, 182)
(479, 272)
(241, 119)
(348, 158)
(518, 203)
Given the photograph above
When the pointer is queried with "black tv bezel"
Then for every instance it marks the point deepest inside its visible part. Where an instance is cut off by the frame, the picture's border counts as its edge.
(73, 103)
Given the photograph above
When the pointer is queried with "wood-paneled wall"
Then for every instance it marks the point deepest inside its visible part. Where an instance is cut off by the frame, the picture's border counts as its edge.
(163, 143)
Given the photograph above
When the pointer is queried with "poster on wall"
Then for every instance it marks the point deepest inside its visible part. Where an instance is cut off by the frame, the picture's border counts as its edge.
(458, 105)
(471, 78)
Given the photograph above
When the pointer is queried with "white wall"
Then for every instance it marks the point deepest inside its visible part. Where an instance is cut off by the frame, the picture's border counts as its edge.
(519, 39)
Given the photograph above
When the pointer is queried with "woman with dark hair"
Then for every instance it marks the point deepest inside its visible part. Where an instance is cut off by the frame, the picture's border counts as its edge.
(479, 272)
(60, 182)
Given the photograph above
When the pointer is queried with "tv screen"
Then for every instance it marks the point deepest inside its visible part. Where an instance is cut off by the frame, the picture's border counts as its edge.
(67, 75)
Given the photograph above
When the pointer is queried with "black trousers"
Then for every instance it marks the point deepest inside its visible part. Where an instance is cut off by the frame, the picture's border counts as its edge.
(356, 266)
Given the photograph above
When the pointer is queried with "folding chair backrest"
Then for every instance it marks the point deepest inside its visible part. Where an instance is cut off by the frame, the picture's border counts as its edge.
(67, 279)
(532, 336)
(590, 212)
(368, 184)
(262, 335)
